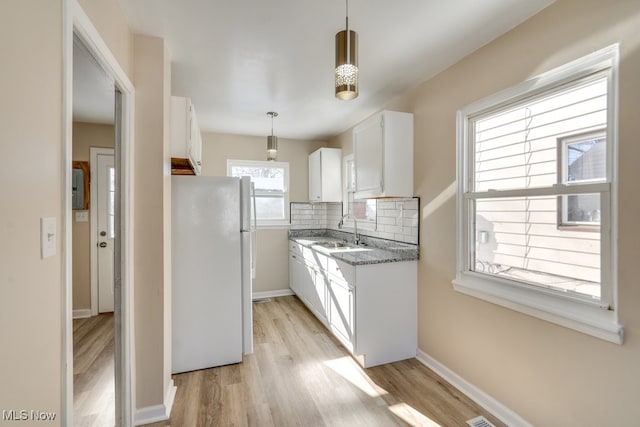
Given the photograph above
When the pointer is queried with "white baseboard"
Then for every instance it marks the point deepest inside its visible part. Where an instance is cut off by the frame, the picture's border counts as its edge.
(483, 399)
(157, 413)
(273, 294)
(82, 313)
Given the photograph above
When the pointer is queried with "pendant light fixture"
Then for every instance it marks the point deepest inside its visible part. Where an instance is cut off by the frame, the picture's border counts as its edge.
(346, 62)
(272, 141)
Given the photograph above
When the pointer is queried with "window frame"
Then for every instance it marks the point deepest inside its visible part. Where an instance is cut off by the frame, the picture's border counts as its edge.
(563, 143)
(596, 318)
(348, 196)
(285, 194)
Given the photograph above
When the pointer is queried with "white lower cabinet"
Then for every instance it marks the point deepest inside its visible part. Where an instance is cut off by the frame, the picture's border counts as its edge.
(306, 279)
(341, 311)
(296, 271)
(371, 309)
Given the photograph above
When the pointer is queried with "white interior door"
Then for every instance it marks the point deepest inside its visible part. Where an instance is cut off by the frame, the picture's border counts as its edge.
(105, 230)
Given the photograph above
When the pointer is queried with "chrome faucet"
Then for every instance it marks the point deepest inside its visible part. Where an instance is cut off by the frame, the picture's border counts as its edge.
(356, 236)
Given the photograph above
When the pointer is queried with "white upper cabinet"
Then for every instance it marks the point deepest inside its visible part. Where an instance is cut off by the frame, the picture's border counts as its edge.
(325, 175)
(383, 156)
(186, 140)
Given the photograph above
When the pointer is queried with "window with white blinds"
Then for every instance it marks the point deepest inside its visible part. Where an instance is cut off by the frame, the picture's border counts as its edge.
(271, 185)
(535, 190)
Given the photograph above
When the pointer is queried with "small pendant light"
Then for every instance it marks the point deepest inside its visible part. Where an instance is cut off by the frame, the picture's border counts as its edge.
(346, 73)
(272, 141)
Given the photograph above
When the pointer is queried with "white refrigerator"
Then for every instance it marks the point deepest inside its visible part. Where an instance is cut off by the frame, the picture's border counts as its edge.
(213, 264)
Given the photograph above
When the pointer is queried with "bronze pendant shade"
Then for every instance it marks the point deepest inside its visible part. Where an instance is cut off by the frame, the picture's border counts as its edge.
(346, 72)
(272, 141)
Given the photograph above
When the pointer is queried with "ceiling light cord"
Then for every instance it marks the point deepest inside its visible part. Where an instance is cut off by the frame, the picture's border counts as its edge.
(346, 14)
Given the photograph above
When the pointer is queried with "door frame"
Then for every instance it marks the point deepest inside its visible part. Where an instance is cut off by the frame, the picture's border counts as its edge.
(94, 152)
(75, 21)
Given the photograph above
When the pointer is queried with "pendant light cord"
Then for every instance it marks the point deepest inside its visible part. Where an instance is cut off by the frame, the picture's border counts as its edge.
(347, 17)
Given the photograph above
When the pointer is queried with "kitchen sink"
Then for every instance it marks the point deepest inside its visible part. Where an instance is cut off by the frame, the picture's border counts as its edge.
(337, 246)
(334, 245)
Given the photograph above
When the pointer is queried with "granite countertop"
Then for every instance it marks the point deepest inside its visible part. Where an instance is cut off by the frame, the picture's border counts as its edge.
(374, 251)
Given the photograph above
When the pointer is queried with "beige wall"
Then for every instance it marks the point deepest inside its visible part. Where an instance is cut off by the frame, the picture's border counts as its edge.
(31, 173)
(151, 157)
(272, 271)
(31, 181)
(85, 135)
(550, 375)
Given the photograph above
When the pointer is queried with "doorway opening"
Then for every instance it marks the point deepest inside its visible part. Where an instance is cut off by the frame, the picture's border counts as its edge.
(114, 384)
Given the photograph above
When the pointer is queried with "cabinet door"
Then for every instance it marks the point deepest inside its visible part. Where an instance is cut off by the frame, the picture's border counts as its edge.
(296, 268)
(368, 157)
(341, 311)
(315, 176)
(318, 297)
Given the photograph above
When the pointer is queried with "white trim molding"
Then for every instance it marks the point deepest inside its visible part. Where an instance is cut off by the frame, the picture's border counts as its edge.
(82, 313)
(480, 397)
(581, 317)
(272, 294)
(157, 413)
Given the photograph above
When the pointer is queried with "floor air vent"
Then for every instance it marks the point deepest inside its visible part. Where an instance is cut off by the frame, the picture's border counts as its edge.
(480, 422)
(261, 300)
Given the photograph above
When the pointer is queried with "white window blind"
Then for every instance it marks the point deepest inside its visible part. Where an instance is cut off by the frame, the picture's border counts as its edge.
(271, 181)
(516, 148)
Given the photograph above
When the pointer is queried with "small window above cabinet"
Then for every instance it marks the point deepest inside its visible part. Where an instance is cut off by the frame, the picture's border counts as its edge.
(325, 175)
(383, 156)
(186, 141)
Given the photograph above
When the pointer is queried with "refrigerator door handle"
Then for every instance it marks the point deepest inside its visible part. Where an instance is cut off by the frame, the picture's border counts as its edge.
(253, 203)
(254, 249)
(254, 232)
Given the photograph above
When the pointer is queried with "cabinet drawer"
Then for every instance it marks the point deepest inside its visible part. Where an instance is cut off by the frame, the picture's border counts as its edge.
(341, 270)
(295, 248)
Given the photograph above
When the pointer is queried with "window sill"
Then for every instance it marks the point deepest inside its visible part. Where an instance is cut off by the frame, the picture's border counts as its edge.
(579, 227)
(580, 316)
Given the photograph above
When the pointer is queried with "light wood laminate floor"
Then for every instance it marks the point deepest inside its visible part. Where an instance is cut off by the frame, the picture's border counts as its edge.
(93, 371)
(299, 375)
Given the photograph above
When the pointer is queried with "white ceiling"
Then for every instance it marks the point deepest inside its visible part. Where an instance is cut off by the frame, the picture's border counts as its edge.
(238, 59)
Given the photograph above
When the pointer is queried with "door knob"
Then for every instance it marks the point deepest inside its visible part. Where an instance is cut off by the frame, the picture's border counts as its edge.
(103, 233)
(102, 244)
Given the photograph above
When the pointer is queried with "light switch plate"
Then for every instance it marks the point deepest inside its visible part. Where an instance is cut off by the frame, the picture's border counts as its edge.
(82, 216)
(48, 237)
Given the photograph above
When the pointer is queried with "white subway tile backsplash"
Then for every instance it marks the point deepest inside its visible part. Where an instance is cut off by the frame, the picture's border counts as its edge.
(389, 213)
(397, 219)
(393, 229)
(386, 220)
(410, 222)
(386, 205)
